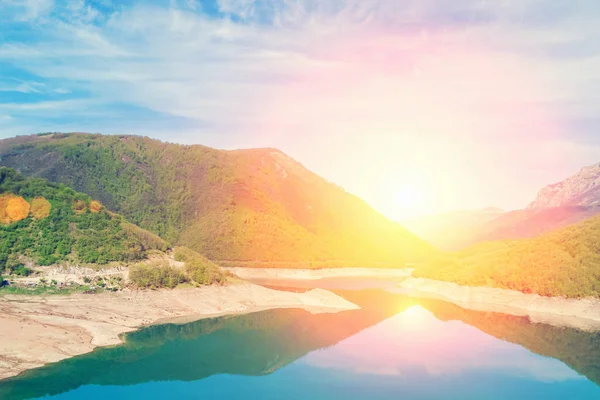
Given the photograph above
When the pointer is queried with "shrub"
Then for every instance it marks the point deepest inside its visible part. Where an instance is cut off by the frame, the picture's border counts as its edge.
(95, 206)
(40, 208)
(21, 270)
(155, 275)
(199, 269)
(203, 274)
(79, 206)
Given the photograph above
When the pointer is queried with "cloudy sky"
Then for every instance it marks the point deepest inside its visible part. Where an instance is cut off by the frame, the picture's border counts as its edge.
(418, 106)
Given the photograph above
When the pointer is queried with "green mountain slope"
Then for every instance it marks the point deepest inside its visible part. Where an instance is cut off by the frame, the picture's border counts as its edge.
(245, 205)
(565, 262)
(49, 223)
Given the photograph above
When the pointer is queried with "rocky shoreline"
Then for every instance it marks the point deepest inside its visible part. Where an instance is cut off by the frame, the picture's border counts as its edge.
(581, 314)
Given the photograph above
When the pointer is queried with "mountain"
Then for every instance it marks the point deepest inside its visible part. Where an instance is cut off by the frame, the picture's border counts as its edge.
(48, 223)
(558, 205)
(565, 262)
(522, 224)
(242, 206)
(579, 190)
(451, 230)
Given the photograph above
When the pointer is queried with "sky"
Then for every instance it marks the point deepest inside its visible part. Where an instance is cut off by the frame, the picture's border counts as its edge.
(417, 106)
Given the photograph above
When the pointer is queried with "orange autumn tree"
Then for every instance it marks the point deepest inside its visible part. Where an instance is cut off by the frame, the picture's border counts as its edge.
(95, 206)
(40, 208)
(4, 219)
(13, 208)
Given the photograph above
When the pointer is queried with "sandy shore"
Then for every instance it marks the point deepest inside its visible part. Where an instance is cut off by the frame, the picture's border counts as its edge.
(574, 313)
(36, 330)
(313, 274)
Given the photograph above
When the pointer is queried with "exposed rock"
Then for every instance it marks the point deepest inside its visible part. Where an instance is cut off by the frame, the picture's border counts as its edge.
(581, 189)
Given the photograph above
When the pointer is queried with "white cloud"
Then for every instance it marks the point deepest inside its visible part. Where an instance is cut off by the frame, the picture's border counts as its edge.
(294, 73)
(240, 8)
(27, 10)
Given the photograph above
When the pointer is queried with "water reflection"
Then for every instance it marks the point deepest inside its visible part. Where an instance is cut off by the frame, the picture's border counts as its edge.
(393, 345)
(578, 349)
(252, 344)
(417, 340)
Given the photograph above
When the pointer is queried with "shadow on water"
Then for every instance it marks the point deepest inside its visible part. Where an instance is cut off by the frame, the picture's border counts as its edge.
(260, 343)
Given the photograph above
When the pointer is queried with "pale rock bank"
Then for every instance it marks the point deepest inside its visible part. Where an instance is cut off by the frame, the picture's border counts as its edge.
(314, 274)
(574, 313)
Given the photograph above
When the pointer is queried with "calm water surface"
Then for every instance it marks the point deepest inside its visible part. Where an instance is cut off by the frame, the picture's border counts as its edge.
(394, 347)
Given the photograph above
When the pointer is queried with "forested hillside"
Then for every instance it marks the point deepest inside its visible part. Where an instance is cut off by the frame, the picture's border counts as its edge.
(565, 262)
(48, 223)
(246, 205)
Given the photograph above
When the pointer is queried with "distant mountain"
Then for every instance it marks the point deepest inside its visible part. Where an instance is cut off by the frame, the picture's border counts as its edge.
(564, 262)
(567, 202)
(558, 205)
(579, 190)
(453, 229)
(46, 223)
(528, 223)
(242, 206)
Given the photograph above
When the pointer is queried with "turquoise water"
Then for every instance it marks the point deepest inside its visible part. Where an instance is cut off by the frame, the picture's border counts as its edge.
(394, 347)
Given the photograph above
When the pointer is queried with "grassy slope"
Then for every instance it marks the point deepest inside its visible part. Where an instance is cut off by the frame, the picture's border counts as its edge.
(565, 262)
(242, 205)
(62, 233)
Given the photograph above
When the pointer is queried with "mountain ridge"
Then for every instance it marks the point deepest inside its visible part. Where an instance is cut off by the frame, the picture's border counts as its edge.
(240, 205)
(579, 190)
(557, 205)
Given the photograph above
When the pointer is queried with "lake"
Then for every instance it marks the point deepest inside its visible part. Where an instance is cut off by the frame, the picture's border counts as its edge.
(393, 347)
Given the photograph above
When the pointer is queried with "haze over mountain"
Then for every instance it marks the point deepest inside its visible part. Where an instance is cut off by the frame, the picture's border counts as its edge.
(453, 229)
(244, 205)
(557, 205)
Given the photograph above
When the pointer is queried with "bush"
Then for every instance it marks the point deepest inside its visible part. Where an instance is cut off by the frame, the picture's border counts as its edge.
(95, 206)
(199, 269)
(79, 206)
(40, 208)
(21, 270)
(155, 275)
(204, 275)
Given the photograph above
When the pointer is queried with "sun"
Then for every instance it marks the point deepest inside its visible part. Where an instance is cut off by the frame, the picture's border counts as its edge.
(408, 198)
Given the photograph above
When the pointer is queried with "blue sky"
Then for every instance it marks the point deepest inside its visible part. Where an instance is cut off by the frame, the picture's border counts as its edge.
(418, 106)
